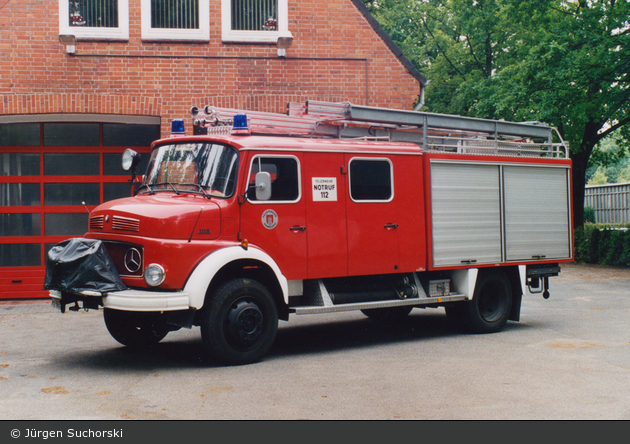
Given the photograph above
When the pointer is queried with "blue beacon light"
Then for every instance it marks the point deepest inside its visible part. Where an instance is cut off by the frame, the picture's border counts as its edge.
(177, 127)
(240, 124)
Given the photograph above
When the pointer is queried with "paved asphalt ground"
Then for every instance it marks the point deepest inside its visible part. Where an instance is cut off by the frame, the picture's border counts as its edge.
(567, 359)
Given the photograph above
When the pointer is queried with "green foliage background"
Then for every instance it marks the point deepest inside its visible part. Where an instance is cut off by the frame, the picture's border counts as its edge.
(603, 244)
(563, 63)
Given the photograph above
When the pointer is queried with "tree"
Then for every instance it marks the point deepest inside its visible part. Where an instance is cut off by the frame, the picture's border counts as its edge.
(599, 178)
(562, 62)
(612, 157)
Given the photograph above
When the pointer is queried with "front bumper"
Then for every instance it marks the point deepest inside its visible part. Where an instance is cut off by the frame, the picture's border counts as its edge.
(126, 300)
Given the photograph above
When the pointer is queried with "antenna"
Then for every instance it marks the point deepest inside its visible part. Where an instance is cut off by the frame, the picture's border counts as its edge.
(195, 226)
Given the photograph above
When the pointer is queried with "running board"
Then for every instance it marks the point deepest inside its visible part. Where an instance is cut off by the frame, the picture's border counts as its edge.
(416, 302)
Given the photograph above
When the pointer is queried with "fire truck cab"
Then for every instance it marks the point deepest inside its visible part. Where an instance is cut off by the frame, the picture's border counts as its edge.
(256, 217)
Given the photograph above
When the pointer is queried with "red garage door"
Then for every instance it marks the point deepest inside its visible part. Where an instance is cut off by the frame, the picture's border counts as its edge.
(50, 172)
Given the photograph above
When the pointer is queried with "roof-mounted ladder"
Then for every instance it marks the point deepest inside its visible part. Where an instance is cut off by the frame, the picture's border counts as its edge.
(430, 131)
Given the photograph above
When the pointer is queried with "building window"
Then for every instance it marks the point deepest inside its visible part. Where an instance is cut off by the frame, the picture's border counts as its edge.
(176, 20)
(95, 19)
(175, 14)
(94, 13)
(50, 171)
(254, 21)
(21, 134)
(255, 16)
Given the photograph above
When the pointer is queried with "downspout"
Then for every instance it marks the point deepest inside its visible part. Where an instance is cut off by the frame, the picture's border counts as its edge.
(421, 97)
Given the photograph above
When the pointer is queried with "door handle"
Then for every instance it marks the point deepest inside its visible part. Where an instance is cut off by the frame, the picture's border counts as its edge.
(391, 226)
(297, 228)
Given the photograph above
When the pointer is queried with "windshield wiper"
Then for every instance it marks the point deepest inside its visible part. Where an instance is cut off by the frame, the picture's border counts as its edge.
(148, 187)
(173, 187)
(199, 187)
(152, 191)
(203, 191)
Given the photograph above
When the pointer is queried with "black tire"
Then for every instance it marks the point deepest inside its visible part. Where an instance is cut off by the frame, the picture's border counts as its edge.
(135, 330)
(239, 326)
(388, 314)
(455, 315)
(489, 310)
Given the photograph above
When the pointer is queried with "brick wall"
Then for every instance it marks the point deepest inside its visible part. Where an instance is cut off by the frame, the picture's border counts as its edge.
(335, 56)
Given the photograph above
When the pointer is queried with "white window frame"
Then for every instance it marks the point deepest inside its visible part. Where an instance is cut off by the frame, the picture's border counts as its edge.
(230, 36)
(391, 179)
(90, 33)
(155, 34)
(261, 157)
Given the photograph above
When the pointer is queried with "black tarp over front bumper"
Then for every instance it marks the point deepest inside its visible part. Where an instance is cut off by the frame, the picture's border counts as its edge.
(81, 265)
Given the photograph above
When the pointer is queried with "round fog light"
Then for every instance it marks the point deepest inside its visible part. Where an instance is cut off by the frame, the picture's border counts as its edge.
(154, 275)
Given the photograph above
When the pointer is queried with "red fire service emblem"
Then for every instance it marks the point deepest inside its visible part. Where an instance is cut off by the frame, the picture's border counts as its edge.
(269, 219)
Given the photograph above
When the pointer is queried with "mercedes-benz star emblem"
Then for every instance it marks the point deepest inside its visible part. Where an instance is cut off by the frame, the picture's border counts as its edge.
(132, 260)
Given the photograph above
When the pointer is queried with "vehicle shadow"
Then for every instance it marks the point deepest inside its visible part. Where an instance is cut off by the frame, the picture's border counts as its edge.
(358, 333)
(187, 352)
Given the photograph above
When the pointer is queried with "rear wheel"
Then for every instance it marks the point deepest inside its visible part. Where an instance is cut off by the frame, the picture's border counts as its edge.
(136, 330)
(240, 325)
(489, 310)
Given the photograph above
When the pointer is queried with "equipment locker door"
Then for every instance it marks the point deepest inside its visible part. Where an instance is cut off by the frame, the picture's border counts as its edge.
(535, 230)
(465, 214)
(372, 216)
(324, 187)
(278, 225)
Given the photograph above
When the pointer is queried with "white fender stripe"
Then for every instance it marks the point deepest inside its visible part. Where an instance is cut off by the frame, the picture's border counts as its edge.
(204, 272)
(464, 281)
(522, 271)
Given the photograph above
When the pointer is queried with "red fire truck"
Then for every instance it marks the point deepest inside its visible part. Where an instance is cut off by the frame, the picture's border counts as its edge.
(255, 217)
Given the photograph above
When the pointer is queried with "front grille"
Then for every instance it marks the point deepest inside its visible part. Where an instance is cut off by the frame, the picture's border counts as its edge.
(125, 224)
(96, 223)
(126, 262)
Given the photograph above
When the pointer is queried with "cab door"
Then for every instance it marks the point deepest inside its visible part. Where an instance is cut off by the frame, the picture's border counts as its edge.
(372, 222)
(277, 225)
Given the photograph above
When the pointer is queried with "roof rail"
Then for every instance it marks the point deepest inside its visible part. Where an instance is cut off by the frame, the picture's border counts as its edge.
(430, 131)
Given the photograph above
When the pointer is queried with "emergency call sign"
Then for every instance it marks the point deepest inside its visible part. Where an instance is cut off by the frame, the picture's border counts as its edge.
(324, 188)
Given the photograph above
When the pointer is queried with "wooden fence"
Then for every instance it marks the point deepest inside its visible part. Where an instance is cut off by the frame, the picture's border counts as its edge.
(611, 202)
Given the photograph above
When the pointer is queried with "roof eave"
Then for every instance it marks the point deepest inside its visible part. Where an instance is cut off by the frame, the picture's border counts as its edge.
(389, 42)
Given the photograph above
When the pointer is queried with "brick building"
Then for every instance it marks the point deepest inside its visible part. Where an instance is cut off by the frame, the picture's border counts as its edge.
(84, 79)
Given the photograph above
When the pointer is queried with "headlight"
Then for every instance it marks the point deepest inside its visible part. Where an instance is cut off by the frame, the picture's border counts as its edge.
(154, 275)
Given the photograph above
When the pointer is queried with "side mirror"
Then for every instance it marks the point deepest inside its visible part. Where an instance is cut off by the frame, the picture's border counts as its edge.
(263, 185)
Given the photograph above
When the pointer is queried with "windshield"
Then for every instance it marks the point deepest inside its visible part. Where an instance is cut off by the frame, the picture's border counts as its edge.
(205, 168)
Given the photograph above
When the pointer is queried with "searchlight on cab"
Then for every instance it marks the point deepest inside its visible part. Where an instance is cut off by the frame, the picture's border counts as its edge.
(221, 126)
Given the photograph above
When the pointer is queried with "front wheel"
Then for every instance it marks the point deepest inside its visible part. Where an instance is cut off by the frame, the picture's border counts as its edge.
(489, 310)
(135, 330)
(240, 324)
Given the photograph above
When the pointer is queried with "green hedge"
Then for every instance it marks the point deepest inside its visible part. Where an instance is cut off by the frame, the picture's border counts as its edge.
(603, 244)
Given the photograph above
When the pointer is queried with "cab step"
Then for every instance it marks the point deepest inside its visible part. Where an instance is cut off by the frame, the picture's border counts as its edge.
(416, 302)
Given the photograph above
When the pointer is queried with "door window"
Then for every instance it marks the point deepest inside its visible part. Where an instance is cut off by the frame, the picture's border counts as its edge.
(285, 178)
(371, 180)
